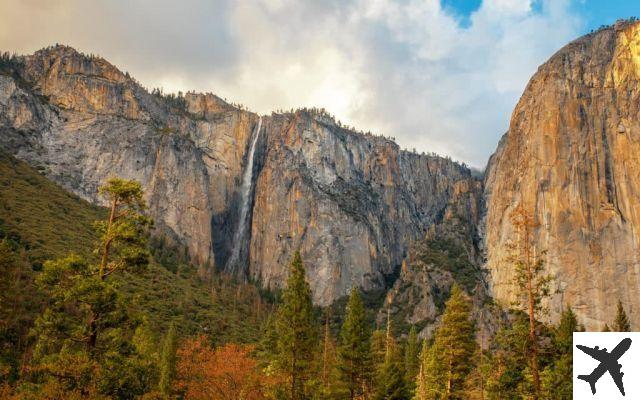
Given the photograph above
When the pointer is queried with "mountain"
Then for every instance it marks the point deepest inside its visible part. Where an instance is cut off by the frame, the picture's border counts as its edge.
(571, 157)
(42, 221)
(218, 176)
(243, 192)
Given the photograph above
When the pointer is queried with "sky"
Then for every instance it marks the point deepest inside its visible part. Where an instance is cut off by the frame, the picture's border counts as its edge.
(437, 75)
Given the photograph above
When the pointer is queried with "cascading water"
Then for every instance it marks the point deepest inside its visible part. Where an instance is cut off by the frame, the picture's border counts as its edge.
(245, 200)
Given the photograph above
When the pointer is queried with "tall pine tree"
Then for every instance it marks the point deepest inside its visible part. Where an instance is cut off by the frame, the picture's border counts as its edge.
(509, 361)
(355, 346)
(330, 386)
(80, 332)
(297, 331)
(390, 379)
(531, 282)
(411, 361)
(621, 324)
(422, 391)
(557, 378)
(445, 369)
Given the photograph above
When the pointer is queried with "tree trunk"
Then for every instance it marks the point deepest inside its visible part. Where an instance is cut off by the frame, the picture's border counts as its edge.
(532, 319)
(107, 242)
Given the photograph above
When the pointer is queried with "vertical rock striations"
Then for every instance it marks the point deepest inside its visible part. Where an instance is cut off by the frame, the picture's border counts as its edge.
(571, 156)
(351, 203)
(80, 120)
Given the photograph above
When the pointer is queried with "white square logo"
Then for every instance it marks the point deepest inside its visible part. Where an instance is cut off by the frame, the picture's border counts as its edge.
(606, 365)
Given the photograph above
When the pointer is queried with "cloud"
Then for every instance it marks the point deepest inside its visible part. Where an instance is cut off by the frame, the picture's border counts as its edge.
(404, 68)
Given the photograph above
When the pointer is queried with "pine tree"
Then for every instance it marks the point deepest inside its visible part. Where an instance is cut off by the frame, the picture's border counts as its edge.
(267, 348)
(509, 361)
(297, 331)
(80, 329)
(411, 361)
(558, 377)
(390, 383)
(421, 384)
(621, 324)
(448, 362)
(378, 349)
(606, 328)
(330, 378)
(563, 334)
(476, 382)
(355, 346)
(124, 235)
(531, 282)
(168, 361)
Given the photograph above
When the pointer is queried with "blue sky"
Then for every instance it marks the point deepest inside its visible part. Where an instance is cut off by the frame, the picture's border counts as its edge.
(594, 12)
(439, 76)
(602, 12)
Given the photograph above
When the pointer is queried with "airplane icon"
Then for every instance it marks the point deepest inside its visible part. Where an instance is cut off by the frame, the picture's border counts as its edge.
(608, 363)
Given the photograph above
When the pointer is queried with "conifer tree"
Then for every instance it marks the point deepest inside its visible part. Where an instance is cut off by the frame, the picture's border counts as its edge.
(509, 361)
(329, 373)
(448, 362)
(411, 358)
(330, 378)
(355, 346)
(168, 361)
(531, 283)
(606, 328)
(476, 384)
(422, 391)
(268, 346)
(124, 235)
(297, 331)
(378, 349)
(558, 377)
(621, 324)
(390, 383)
(80, 328)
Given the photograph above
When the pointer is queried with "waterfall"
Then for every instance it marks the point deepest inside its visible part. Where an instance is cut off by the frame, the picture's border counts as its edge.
(245, 200)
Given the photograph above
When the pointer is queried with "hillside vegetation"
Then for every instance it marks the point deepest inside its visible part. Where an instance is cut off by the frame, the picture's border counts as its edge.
(41, 217)
(41, 221)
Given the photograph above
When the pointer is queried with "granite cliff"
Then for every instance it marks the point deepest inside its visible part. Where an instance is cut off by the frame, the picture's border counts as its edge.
(362, 211)
(350, 202)
(570, 157)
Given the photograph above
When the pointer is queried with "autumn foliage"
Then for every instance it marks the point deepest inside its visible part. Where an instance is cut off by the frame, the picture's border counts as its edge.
(227, 372)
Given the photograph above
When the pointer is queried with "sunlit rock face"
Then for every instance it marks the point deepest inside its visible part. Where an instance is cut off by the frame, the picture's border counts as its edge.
(81, 121)
(350, 203)
(572, 157)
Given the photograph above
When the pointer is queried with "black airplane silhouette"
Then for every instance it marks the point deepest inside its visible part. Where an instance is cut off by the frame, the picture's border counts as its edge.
(608, 362)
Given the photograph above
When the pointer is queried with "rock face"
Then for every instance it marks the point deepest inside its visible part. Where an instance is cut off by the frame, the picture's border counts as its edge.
(80, 120)
(450, 253)
(356, 206)
(571, 157)
(350, 203)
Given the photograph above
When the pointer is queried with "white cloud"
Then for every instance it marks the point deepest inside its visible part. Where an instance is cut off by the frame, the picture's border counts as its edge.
(402, 68)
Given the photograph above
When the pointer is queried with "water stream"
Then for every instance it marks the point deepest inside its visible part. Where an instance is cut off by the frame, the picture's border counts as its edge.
(245, 200)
